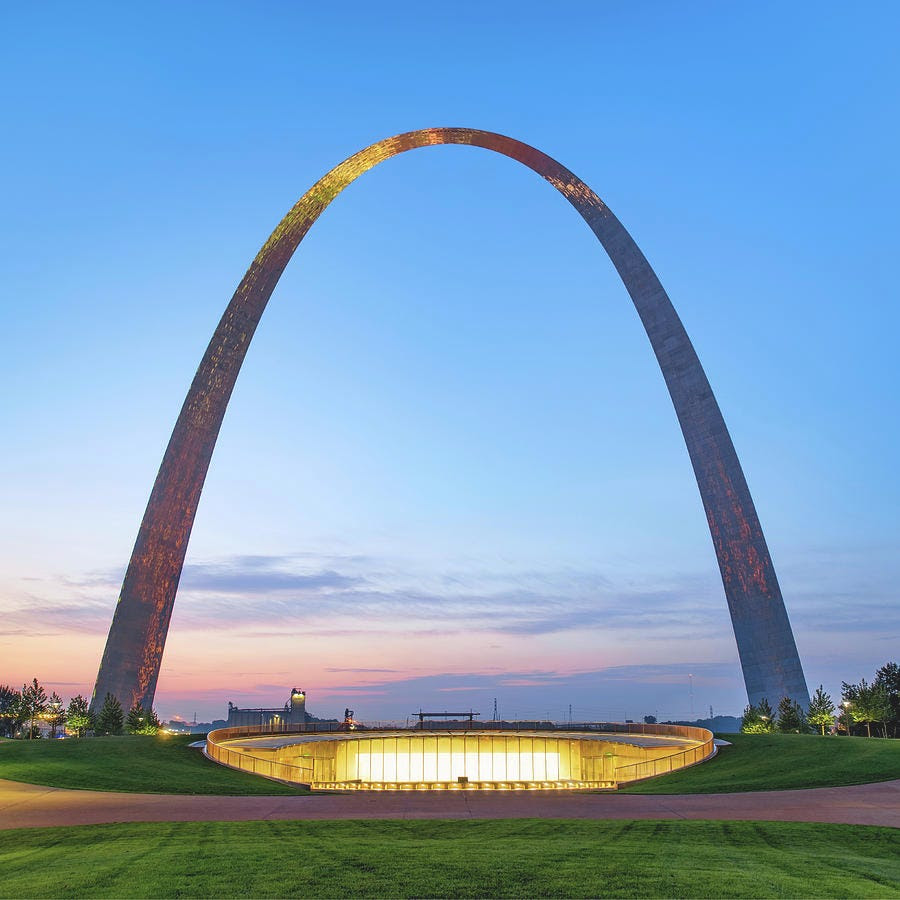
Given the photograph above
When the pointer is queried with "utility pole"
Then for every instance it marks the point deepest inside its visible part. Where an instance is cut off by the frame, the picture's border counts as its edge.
(496, 714)
(691, 680)
(570, 713)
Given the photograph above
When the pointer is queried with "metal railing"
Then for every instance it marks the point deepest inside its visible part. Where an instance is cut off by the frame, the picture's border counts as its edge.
(650, 768)
(267, 768)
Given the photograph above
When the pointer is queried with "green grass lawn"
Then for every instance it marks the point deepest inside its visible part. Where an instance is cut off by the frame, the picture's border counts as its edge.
(168, 765)
(525, 858)
(761, 762)
(159, 765)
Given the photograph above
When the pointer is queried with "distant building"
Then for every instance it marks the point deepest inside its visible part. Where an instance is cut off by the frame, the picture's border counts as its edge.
(292, 713)
(716, 724)
(178, 726)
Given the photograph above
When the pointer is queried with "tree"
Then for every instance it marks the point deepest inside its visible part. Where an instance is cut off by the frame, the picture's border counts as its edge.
(56, 713)
(821, 710)
(880, 706)
(110, 717)
(32, 704)
(10, 711)
(78, 715)
(866, 703)
(877, 708)
(135, 719)
(758, 719)
(888, 679)
(790, 717)
(152, 725)
(844, 719)
(140, 721)
(849, 697)
(750, 720)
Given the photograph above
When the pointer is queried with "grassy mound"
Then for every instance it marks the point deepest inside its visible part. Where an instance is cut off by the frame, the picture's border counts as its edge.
(525, 858)
(167, 765)
(154, 765)
(768, 762)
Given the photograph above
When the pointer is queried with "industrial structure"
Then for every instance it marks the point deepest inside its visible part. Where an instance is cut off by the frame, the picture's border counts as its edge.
(292, 713)
(769, 658)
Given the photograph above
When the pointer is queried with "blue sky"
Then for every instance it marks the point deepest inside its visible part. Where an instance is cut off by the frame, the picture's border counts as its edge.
(450, 470)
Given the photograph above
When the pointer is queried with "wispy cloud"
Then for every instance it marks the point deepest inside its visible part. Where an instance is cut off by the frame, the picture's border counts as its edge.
(355, 594)
(358, 671)
(238, 578)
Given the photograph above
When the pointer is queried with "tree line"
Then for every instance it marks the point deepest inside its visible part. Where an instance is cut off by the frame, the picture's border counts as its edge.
(22, 711)
(862, 705)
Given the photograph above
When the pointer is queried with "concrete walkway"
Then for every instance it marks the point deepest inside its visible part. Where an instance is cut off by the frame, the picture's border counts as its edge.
(33, 806)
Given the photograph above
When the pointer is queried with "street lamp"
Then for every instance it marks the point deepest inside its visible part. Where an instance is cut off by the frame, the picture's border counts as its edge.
(846, 705)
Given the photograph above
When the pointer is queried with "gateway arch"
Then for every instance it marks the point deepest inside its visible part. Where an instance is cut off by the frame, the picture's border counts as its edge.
(769, 659)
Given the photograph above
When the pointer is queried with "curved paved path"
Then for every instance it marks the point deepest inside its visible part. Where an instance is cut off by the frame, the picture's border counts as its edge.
(32, 806)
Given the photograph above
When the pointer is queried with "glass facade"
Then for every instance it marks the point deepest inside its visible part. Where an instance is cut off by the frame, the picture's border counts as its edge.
(404, 760)
(455, 758)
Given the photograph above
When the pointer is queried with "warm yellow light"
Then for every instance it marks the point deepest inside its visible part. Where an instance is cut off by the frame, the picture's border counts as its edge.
(468, 760)
(442, 759)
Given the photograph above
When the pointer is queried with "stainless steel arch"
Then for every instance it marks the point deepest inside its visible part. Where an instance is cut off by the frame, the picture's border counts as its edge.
(134, 648)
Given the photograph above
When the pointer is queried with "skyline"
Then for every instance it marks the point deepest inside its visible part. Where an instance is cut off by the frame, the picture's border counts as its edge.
(471, 468)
